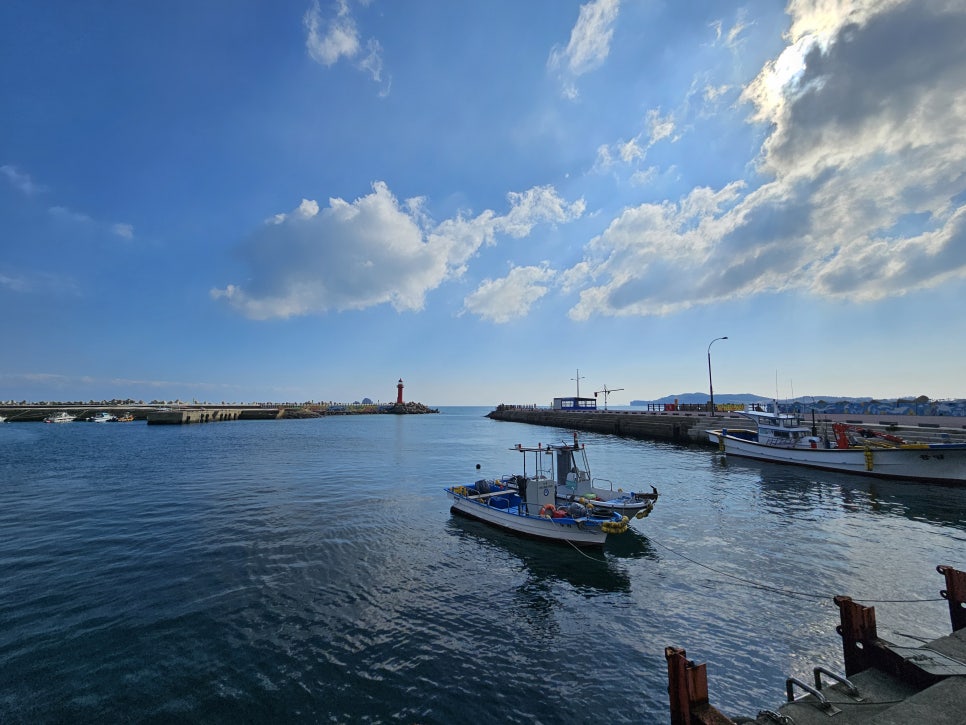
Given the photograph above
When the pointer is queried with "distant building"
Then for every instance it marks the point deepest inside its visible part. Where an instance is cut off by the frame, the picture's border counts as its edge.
(575, 403)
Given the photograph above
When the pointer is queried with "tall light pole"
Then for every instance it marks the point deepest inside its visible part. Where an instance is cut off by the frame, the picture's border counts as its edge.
(710, 384)
(578, 379)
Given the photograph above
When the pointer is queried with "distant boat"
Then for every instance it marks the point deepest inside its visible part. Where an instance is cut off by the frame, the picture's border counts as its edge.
(126, 418)
(783, 438)
(103, 417)
(61, 417)
(2, 419)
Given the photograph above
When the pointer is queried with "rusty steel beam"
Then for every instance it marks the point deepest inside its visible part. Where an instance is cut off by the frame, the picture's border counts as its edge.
(688, 690)
(955, 595)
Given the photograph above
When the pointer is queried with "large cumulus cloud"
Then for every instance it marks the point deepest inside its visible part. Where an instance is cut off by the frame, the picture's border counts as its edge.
(372, 251)
(862, 191)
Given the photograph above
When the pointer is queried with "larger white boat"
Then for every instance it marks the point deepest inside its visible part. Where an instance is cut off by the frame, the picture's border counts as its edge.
(556, 500)
(61, 417)
(784, 438)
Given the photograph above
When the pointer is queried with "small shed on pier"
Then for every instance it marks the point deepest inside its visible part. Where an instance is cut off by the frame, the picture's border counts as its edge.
(573, 403)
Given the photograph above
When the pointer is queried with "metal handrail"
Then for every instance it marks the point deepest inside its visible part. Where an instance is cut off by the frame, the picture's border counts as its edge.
(852, 690)
(822, 700)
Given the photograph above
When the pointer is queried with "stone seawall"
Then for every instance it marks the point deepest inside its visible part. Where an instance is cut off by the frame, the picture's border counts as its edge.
(678, 428)
(690, 427)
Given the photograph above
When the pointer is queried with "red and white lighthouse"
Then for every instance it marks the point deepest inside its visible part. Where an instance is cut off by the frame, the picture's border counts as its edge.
(399, 388)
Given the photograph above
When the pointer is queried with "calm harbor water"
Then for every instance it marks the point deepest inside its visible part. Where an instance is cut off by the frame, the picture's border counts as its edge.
(310, 571)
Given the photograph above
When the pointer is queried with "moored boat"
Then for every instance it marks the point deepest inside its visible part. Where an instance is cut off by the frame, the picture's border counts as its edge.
(784, 438)
(575, 483)
(103, 417)
(61, 417)
(126, 418)
(534, 504)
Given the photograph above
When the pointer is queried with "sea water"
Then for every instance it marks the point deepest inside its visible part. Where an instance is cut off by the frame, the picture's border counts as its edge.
(311, 571)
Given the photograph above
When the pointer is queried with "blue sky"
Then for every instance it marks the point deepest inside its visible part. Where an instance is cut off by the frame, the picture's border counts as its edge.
(297, 200)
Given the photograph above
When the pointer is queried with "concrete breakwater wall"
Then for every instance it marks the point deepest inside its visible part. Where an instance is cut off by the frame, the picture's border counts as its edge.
(203, 413)
(678, 428)
(152, 414)
(209, 415)
(690, 427)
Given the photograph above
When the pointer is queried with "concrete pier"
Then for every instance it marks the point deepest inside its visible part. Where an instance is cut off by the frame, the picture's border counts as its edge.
(882, 683)
(171, 415)
(689, 427)
(182, 416)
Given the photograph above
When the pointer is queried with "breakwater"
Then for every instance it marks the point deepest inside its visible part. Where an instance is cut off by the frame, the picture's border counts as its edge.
(202, 412)
(688, 427)
(685, 427)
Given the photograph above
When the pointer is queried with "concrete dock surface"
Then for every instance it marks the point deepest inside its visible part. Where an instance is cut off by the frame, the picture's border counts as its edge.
(880, 683)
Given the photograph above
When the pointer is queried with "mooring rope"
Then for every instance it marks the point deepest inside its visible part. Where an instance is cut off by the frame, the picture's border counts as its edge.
(786, 592)
(584, 553)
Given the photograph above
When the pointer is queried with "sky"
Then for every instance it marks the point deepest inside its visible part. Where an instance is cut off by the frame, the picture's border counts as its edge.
(497, 202)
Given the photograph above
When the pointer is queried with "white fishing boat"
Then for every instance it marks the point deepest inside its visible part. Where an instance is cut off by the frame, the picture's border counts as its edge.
(784, 438)
(103, 417)
(530, 504)
(61, 417)
(573, 469)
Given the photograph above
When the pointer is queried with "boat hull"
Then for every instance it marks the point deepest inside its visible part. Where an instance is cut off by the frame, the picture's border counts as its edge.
(535, 527)
(943, 462)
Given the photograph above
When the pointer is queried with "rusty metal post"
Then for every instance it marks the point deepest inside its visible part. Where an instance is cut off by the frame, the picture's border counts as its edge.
(677, 685)
(858, 632)
(688, 690)
(955, 595)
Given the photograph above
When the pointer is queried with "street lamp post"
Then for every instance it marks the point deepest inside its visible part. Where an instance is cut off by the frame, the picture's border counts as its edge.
(578, 379)
(710, 384)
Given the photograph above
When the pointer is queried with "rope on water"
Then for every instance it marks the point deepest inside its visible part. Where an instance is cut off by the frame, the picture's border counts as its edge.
(787, 592)
(584, 553)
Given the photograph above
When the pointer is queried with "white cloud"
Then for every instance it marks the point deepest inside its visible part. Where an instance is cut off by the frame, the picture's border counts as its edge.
(656, 128)
(14, 283)
(62, 212)
(330, 39)
(43, 283)
(502, 300)
(20, 180)
(865, 194)
(125, 231)
(589, 43)
(539, 204)
(372, 251)
(733, 37)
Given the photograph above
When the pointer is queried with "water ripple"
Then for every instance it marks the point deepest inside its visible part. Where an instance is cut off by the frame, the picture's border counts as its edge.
(311, 571)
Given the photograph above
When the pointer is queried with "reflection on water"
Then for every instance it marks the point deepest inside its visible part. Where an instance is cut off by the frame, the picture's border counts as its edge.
(794, 490)
(311, 571)
(547, 563)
